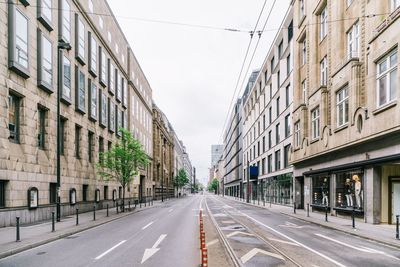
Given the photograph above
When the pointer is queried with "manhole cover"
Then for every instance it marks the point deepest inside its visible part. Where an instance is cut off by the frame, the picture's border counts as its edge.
(41, 253)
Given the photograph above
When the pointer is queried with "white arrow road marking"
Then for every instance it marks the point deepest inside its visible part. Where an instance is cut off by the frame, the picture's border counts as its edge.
(283, 241)
(212, 242)
(291, 225)
(245, 258)
(147, 225)
(108, 251)
(237, 233)
(148, 252)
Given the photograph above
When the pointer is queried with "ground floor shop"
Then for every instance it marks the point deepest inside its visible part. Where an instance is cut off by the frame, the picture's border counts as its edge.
(233, 189)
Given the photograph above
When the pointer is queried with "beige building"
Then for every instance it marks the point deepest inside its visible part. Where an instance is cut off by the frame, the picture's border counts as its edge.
(100, 77)
(346, 107)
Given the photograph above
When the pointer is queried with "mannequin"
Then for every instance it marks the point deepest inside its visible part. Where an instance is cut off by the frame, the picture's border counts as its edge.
(348, 191)
(357, 190)
(325, 192)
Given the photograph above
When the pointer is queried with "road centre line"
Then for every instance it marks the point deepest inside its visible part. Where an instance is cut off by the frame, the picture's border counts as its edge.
(111, 249)
(147, 225)
(291, 239)
(344, 244)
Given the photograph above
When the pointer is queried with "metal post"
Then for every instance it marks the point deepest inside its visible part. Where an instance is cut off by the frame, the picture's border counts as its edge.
(53, 224)
(270, 201)
(77, 216)
(17, 225)
(308, 209)
(129, 205)
(294, 207)
(59, 82)
(117, 206)
(264, 201)
(397, 226)
(107, 209)
(94, 212)
(353, 218)
(326, 213)
(145, 201)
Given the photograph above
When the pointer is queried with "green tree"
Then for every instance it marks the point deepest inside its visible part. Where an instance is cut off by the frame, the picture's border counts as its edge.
(180, 180)
(213, 186)
(122, 162)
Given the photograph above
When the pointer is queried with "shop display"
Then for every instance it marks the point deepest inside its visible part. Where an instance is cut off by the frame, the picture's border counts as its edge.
(321, 190)
(349, 184)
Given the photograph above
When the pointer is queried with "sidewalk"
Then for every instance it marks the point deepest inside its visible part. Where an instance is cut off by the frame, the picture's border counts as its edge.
(35, 235)
(382, 233)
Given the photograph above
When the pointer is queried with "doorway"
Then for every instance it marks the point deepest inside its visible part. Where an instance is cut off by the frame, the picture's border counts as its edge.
(394, 198)
(299, 192)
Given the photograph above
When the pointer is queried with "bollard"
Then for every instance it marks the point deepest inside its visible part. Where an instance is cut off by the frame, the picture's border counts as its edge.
(397, 226)
(107, 209)
(129, 205)
(140, 203)
(353, 218)
(308, 209)
(94, 212)
(204, 258)
(258, 201)
(270, 202)
(326, 213)
(294, 207)
(117, 207)
(135, 204)
(17, 225)
(77, 218)
(264, 201)
(53, 225)
(145, 202)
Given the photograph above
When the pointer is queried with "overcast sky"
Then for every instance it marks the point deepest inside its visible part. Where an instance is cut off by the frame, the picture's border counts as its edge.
(193, 70)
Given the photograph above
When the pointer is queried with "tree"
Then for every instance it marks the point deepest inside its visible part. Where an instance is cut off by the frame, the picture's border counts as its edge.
(213, 186)
(181, 179)
(122, 161)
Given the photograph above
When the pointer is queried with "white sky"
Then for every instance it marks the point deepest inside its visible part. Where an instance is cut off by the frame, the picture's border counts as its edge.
(193, 71)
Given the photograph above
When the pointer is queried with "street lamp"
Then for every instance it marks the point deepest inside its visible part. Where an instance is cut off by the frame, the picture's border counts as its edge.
(61, 46)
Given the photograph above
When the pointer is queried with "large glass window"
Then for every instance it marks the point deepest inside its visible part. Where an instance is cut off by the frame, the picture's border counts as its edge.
(119, 85)
(278, 189)
(45, 62)
(315, 123)
(80, 91)
(349, 190)
(66, 92)
(321, 190)
(103, 71)
(45, 13)
(297, 134)
(93, 100)
(92, 54)
(18, 47)
(13, 117)
(323, 30)
(111, 116)
(353, 41)
(287, 125)
(387, 79)
(111, 77)
(66, 21)
(342, 106)
(80, 39)
(304, 52)
(103, 110)
(324, 71)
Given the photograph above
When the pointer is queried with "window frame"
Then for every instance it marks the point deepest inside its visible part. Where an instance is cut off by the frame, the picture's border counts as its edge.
(297, 134)
(111, 116)
(386, 74)
(65, 98)
(111, 77)
(78, 130)
(41, 15)
(277, 160)
(344, 104)
(65, 21)
(42, 113)
(103, 67)
(79, 76)
(324, 71)
(323, 18)
(304, 52)
(353, 39)
(103, 109)
(41, 39)
(14, 135)
(277, 133)
(92, 103)
(119, 78)
(315, 123)
(80, 43)
(287, 125)
(92, 55)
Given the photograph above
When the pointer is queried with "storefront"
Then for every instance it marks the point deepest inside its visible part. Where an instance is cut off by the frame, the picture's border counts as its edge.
(279, 189)
(349, 193)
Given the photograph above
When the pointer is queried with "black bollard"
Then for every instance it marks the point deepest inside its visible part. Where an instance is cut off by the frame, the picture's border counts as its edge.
(308, 209)
(17, 225)
(258, 201)
(77, 216)
(53, 224)
(107, 209)
(135, 203)
(145, 201)
(94, 212)
(129, 205)
(397, 226)
(353, 218)
(270, 202)
(264, 201)
(294, 207)
(140, 203)
(117, 207)
(326, 213)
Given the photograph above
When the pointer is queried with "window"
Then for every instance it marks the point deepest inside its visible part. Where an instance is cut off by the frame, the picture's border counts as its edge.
(394, 4)
(269, 163)
(80, 39)
(342, 106)
(287, 125)
(280, 49)
(66, 21)
(277, 106)
(111, 116)
(287, 95)
(103, 67)
(302, 8)
(266, 76)
(119, 85)
(263, 144)
(297, 134)
(304, 89)
(66, 91)
(105, 192)
(269, 139)
(101, 149)
(258, 148)
(14, 103)
(387, 79)
(288, 65)
(45, 63)
(63, 122)
(53, 193)
(272, 64)
(290, 31)
(270, 115)
(111, 77)
(18, 57)
(304, 52)
(45, 16)
(103, 109)
(90, 146)
(42, 127)
(78, 141)
(277, 133)
(349, 2)
(80, 94)
(278, 78)
(353, 41)
(277, 160)
(263, 166)
(93, 100)
(92, 54)
(323, 29)
(315, 123)
(286, 153)
(324, 71)
(264, 122)
(85, 189)
(124, 93)
(2, 193)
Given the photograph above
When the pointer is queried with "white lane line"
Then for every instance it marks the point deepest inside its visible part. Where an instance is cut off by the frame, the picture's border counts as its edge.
(344, 244)
(111, 249)
(147, 225)
(201, 201)
(284, 242)
(170, 210)
(291, 239)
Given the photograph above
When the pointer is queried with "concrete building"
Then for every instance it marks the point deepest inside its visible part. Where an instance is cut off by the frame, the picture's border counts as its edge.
(187, 166)
(163, 155)
(181, 161)
(100, 76)
(267, 135)
(346, 112)
(233, 154)
(216, 152)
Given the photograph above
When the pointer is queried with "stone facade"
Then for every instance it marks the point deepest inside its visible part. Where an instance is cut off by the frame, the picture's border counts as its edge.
(346, 150)
(28, 101)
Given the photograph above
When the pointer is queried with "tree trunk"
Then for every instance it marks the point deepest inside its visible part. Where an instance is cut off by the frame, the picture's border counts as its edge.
(123, 198)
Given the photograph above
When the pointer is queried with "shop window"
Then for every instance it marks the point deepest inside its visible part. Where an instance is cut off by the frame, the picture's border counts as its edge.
(349, 190)
(387, 79)
(14, 103)
(53, 193)
(321, 190)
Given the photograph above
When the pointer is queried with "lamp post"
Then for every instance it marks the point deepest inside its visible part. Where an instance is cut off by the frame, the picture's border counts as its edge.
(61, 46)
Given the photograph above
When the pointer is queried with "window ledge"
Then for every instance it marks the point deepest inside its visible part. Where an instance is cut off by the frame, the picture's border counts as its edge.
(340, 128)
(301, 21)
(80, 60)
(65, 100)
(46, 87)
(314, 140)
(46, 23)
(80, 110)
(18, 69)
(385, 107)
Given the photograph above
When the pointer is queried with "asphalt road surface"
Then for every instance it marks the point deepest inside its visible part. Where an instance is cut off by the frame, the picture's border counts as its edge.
(165, 235)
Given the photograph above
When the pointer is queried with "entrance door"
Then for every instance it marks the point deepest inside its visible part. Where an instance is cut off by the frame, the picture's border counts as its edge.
(395, 200)
(299, 192)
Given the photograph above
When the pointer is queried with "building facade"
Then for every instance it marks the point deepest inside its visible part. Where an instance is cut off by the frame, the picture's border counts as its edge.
(267, 112)
(216, 152)
(346, 113)
(233, 154)
(99, 75)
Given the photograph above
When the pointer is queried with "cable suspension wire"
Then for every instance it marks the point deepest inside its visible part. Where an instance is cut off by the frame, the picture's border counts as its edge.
(241, 69)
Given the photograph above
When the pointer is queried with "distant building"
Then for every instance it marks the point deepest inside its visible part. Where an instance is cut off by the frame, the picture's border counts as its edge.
(216, 152)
